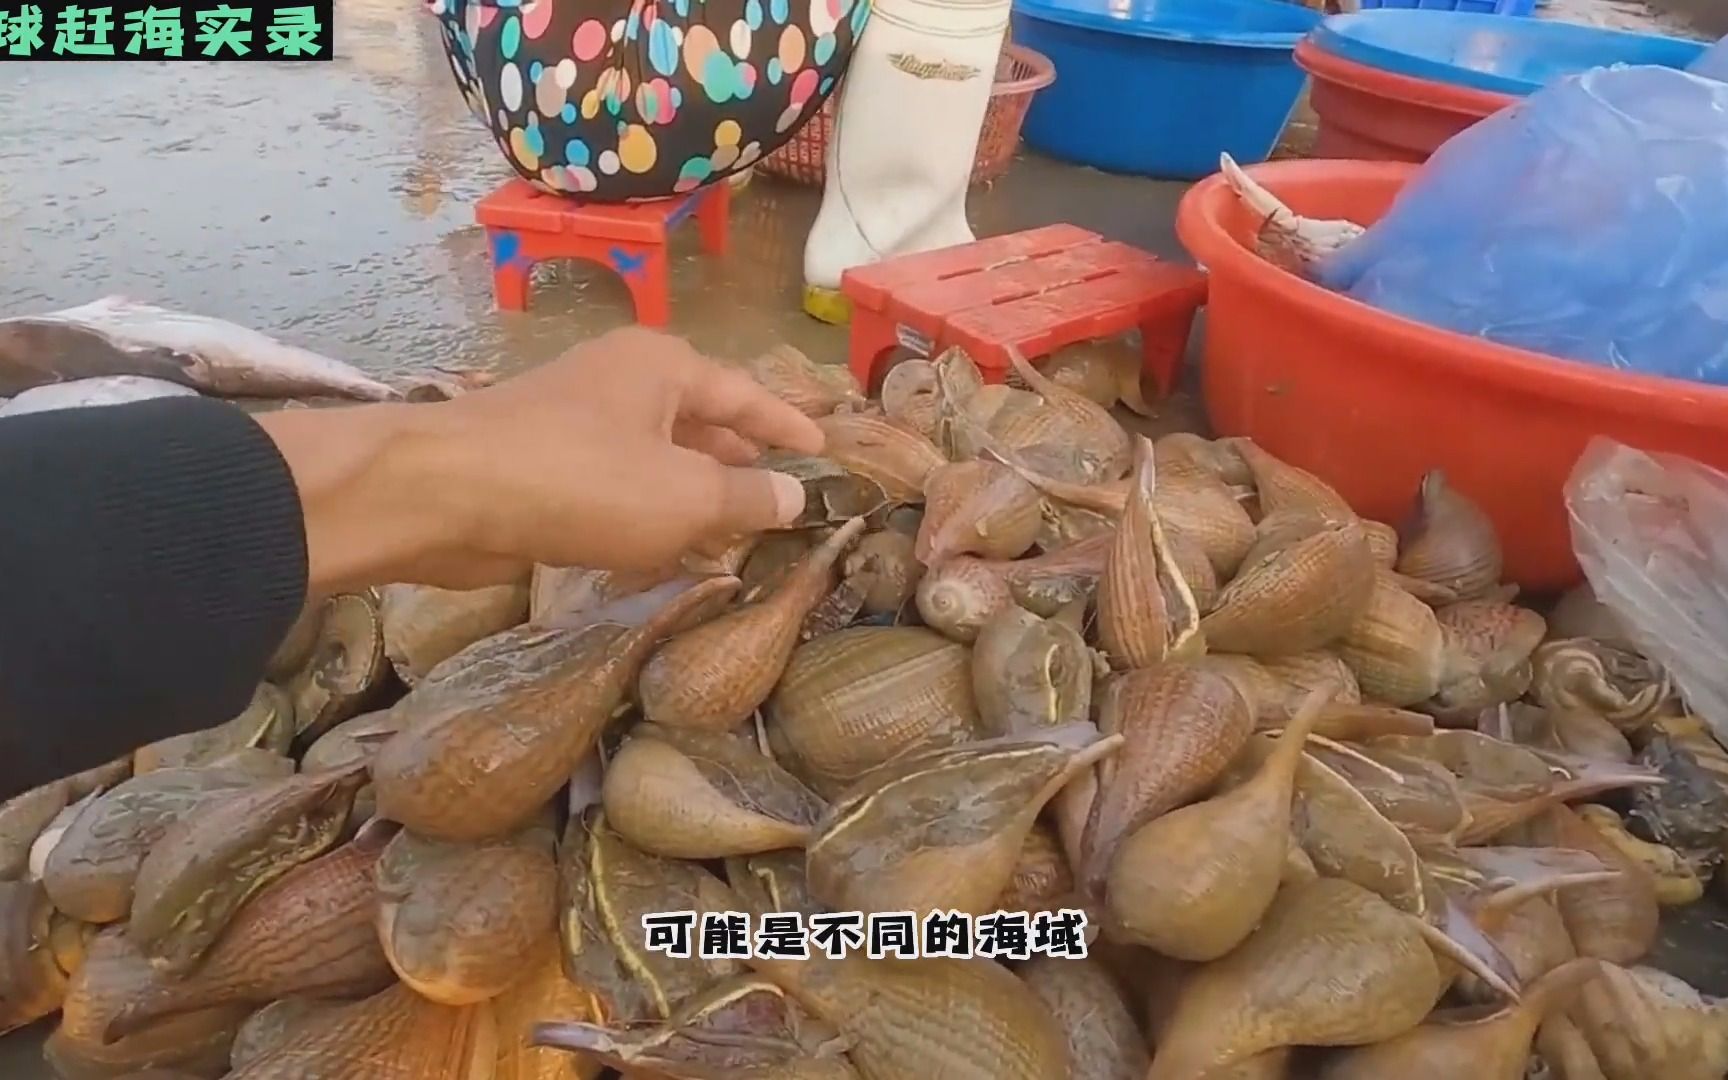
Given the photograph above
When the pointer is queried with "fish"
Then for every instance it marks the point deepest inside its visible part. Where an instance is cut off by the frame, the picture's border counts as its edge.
(1285, 238)
(120, 336)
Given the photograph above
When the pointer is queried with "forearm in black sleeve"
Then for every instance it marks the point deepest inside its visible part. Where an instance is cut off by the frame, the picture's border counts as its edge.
(152, 556)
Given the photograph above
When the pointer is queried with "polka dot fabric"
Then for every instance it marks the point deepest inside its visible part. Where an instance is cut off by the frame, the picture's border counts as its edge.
(625, 100)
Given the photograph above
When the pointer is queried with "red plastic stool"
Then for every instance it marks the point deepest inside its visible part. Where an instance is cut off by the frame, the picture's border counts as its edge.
(1035, 291)
(525, 225)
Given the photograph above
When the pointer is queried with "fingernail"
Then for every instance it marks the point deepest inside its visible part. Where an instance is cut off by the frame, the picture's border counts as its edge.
(788, 497)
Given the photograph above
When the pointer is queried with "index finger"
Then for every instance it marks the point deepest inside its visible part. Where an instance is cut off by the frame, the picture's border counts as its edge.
(713, 394)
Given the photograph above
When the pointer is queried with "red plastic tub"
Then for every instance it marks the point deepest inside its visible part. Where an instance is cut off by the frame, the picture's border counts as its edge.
(1374, 115)
(1370, 401)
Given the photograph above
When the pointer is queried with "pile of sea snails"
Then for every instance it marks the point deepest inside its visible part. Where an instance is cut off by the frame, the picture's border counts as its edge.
(1327, 800)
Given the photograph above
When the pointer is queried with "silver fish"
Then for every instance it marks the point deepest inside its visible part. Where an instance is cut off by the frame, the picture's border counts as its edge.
(110, 390)
(117, 336)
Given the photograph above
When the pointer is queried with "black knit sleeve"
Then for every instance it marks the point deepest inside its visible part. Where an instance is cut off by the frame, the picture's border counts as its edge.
(152, 556)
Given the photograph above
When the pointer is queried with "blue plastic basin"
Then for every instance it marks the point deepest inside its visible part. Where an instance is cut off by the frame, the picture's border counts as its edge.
(1161, 87)
(1489, 52)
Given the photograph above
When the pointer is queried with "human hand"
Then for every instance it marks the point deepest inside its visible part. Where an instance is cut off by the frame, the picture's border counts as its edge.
(628, 451)
(625, 453)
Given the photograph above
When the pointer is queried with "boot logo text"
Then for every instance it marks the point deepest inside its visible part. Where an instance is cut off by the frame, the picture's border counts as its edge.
(932, 69)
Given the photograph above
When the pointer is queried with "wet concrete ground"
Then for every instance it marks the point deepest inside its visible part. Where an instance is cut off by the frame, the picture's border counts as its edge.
(331, 205)
(1678, 17)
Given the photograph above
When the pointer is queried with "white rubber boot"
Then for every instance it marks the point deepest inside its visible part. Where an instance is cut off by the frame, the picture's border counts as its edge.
(905, 133)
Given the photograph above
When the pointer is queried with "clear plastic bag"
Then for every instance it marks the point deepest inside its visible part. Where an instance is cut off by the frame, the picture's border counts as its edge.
(1589, 221)
(76, 393)
(1651, 532)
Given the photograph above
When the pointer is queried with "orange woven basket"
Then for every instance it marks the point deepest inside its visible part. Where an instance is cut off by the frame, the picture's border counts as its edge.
(1020, 73)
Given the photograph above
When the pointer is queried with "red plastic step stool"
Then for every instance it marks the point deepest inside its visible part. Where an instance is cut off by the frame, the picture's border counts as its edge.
(1035, 291)
(525, 225)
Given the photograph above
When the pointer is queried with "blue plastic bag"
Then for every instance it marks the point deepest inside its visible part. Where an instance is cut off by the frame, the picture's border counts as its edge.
(1589, 221)
(1714, 63)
